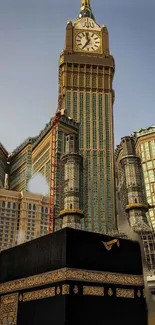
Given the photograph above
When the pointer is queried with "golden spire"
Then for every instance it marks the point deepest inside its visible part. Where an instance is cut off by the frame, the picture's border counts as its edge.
(85, 10)
(85, 3)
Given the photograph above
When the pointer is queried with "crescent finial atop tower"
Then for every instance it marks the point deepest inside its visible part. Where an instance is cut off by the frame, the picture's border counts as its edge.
(85, 10)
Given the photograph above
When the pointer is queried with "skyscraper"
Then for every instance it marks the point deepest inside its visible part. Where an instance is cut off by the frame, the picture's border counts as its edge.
(86, 71)
(24, 215)
(145, 147)
(132, 195)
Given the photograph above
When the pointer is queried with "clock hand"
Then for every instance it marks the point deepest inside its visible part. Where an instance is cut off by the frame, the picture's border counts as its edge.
(87, 36)
(86, 44)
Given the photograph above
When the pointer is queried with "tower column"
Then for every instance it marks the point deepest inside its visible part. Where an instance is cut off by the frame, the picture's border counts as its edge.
(136, 206)
(72, 164)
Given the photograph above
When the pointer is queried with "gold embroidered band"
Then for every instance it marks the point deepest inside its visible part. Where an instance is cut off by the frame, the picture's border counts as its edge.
(73, 275)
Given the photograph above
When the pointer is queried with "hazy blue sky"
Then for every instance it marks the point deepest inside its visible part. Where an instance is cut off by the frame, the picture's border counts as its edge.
(31, 37)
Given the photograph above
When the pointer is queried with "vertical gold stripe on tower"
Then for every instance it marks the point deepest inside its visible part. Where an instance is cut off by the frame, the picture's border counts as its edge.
(98, 160)
(84, 153)
(78, 96)
(91, 163)
(105, 162)
(71, 104)
(112, 160)
(85, 191)
(84, 121)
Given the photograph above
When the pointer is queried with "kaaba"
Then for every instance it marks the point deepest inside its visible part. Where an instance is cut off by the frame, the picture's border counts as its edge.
(73, 277)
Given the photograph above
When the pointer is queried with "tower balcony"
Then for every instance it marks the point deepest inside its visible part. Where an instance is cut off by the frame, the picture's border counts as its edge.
(87, 58)
(71, 212)
(137, 206)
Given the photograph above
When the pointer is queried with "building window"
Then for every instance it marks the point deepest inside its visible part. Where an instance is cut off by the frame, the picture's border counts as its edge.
(141, 147)
(147, 186)
(151, 175)
(149, 164)
(14, 206)
(75, 80)
(148, 193)
(3, 204)
(151, 213)
(146, 180)
(144, 167)
(75, 105)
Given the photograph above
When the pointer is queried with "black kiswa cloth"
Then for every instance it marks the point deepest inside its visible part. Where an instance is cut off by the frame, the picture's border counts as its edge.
(83, 281)
(83, 310)
(69, 248)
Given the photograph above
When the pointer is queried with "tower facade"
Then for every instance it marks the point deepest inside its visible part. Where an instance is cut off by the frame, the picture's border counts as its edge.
(145, 148)
(136, 204)
(72, 165)
(132, 195)
(86, 71)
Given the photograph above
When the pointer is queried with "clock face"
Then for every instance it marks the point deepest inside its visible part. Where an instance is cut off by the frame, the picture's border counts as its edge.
(88, 41)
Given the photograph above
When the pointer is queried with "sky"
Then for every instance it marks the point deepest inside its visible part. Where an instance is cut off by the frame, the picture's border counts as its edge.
(32, 34)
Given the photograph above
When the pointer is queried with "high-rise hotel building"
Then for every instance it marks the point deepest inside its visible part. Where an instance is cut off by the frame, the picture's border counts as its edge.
(25, 215)
(145, 147)
(86, 71)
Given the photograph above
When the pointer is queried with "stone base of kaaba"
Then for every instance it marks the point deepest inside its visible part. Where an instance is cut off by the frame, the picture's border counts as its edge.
(72, 277)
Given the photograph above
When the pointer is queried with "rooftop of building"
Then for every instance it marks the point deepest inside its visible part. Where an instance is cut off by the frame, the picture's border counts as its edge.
(9, 194)
(135, 135)
(117, 150)
(34, 141)
(3, 149)
(141, 132)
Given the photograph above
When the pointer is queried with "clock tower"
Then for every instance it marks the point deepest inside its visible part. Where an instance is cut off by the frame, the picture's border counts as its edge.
(86, 71)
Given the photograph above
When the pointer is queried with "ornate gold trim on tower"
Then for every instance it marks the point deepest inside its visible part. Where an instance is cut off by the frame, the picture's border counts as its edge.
(85, 3)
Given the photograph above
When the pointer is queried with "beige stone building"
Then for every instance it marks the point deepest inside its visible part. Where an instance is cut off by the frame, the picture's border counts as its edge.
(24, 216)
